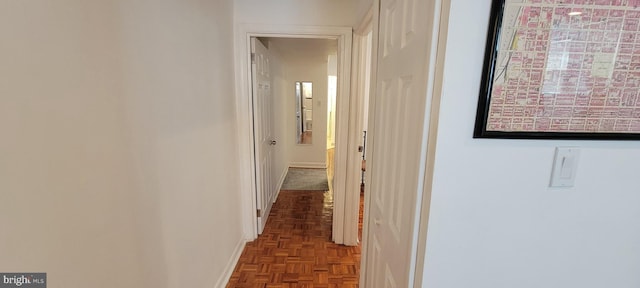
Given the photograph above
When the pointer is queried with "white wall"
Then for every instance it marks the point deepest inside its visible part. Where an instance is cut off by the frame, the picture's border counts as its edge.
(301, 60)
(296, 12)
(314, 154)
(495, 223)
(179, 100)
(118, 152)
(332, 90)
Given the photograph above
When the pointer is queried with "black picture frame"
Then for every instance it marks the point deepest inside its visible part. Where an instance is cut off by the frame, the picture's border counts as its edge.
(484, 102)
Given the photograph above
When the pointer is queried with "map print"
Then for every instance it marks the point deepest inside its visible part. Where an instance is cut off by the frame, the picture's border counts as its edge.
(567, 66)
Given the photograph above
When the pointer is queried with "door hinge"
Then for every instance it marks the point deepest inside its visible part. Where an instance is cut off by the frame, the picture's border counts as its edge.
(259, 212)
(253, 58)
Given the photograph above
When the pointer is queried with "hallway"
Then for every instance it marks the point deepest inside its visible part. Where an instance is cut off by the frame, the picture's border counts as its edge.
(295, 249)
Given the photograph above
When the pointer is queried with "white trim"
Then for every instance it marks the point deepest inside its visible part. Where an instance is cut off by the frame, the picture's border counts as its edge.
(375, 19)
(353, 169)
(244, 109)
(366, 22)
(231, 265)
(342, 133)
(354, 166)
(315, 165)
(243, 32)
(267, 212)
(441, 23)
(280, 182)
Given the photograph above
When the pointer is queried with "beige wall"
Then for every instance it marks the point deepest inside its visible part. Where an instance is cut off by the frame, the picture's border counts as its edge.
(296, 12)
(314, 154)
(118, 152)
(301, 60)
(362, 8)
(65, 173)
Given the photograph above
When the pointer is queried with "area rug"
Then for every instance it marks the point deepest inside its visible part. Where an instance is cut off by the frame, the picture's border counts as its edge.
(306, 179)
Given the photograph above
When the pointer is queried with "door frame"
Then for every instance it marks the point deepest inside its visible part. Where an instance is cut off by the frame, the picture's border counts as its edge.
(434, 92)
(354, 168)
(369, 21)
(244, 114)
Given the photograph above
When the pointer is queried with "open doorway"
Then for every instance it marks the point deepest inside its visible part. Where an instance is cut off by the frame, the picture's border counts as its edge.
(304, 73)
(300, 90)
(291, 96)
(304, 106)
(341, 35)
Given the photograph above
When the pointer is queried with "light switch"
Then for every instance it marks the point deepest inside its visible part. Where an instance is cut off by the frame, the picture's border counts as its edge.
(565, 165)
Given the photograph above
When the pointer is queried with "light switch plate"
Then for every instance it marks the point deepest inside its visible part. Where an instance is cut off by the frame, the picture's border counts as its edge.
(565, 165)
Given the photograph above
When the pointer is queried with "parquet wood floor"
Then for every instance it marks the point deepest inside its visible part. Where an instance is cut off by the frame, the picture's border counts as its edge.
(295, 249)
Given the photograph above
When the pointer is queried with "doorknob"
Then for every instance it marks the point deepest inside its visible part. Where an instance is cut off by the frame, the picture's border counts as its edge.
(273, 142)
(377, 222)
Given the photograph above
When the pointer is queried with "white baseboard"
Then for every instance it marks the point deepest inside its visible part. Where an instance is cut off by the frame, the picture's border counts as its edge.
(284, 175)
(231, 265)
(308, 165)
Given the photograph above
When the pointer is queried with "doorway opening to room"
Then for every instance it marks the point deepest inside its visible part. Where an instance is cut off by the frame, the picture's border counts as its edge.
(301, 109)
(342, 119)
(250, 163)
(292, 104)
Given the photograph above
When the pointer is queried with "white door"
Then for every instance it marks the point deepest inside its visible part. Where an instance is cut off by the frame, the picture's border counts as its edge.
(400, 112)
(263, 129)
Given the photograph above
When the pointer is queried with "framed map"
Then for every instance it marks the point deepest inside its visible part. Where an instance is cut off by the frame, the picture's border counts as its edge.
(561, 69)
